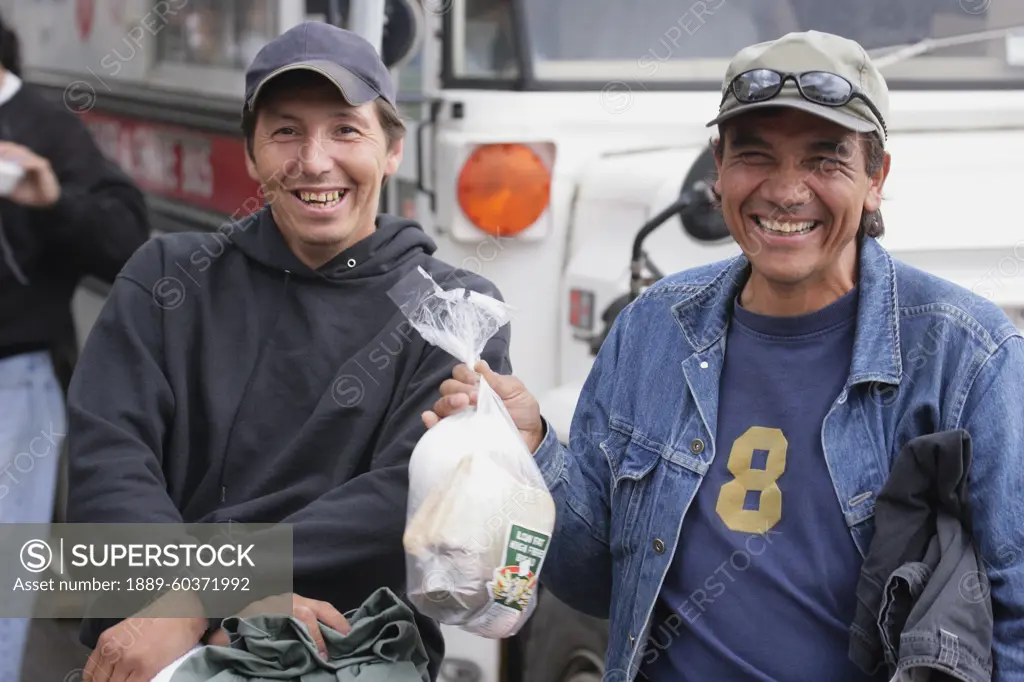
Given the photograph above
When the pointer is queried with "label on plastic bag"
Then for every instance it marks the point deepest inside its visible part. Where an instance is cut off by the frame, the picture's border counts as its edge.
(514, 585)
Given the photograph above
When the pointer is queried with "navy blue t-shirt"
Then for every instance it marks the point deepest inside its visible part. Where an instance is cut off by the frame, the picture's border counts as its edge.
(763, 584)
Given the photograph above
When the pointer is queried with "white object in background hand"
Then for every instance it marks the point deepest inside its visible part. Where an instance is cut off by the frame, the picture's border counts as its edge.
(38, 187)
(10, 175)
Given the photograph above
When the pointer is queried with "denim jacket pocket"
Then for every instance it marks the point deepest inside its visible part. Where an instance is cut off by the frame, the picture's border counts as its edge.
(632, 465)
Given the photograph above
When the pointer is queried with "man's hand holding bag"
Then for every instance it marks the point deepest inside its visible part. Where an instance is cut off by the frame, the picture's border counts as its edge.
(479, 515)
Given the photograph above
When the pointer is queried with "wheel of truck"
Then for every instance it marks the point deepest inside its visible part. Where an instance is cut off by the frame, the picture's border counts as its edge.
(564, 645)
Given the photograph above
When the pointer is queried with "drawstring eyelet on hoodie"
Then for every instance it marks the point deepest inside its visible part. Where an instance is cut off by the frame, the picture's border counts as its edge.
(351, 262)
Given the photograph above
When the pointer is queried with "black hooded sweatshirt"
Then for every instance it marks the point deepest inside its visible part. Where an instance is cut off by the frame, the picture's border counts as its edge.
(95, 226)
(225, 380)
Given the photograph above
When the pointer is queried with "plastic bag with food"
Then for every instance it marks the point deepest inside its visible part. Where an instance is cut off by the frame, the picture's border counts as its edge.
(479, 516)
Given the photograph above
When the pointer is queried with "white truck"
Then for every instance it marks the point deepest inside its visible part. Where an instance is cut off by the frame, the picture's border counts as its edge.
(544, 135)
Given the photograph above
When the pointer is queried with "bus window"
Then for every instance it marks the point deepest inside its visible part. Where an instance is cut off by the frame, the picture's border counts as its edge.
(663, 40)
(483, 44)
(617, 36)
(223, 34)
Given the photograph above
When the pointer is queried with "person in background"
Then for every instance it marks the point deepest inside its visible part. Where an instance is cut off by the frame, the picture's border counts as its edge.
(71, 214)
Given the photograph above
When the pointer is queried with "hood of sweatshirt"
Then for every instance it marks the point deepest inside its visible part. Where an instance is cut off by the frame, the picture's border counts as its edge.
(394, 242)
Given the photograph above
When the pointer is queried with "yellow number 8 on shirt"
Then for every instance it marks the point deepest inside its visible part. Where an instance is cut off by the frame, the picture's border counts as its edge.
(731, 498)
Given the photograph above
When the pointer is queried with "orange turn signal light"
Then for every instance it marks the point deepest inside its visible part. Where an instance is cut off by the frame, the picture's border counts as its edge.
(504, 188)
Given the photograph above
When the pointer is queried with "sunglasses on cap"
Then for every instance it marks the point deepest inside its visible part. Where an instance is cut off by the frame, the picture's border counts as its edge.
(819, 87)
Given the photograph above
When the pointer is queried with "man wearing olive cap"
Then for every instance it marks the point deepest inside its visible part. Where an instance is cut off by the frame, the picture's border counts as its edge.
(717, 495)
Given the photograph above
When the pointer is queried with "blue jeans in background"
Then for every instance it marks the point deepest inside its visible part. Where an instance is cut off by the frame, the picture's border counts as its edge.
(32, 428)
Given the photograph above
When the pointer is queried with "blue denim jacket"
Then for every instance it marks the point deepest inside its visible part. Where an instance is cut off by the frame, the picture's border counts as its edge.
(928, 356)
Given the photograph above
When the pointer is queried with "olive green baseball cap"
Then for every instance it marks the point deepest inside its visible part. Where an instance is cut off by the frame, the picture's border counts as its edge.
(797, 53)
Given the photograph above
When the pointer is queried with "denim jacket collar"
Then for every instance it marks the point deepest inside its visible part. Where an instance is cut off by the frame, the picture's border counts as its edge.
(704, 315)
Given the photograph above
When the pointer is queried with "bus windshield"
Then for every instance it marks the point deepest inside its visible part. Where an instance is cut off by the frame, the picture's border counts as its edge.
(594, 41)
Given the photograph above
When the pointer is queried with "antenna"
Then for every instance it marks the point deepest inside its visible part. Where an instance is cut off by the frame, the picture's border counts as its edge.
(897, 53)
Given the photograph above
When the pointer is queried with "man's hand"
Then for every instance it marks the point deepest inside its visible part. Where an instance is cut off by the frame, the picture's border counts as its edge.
(139, 648)
(461, 391)
(39, 187)
(309, 611)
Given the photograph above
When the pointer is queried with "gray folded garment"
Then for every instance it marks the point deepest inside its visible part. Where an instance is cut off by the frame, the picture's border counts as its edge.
(383, 646)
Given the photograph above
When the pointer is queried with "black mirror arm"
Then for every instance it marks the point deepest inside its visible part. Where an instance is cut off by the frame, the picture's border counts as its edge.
(695, 196)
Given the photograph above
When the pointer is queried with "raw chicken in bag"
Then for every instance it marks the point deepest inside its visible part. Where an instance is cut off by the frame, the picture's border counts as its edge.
(479, 517)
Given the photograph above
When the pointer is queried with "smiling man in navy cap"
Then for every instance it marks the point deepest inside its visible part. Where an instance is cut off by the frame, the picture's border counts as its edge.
(320, 97)
(263, 374)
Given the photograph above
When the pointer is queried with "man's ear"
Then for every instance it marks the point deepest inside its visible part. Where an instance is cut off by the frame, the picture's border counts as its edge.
(250, 165)
(394, 159)
(718, 164)
(873, 201)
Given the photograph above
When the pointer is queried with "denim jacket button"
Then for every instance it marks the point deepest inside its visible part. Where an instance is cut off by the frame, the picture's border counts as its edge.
(696, 446)
(659, 546)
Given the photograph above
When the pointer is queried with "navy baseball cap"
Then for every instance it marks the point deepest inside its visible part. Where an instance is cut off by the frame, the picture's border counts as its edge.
(345, 58)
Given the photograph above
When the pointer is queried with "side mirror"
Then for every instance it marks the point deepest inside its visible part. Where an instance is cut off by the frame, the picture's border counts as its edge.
(703, 221)
(403, 32)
